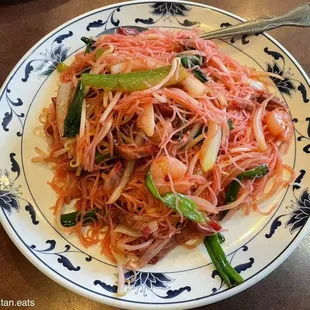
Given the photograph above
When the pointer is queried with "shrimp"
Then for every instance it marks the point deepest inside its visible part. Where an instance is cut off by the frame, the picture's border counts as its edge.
(280, 124)
(161, 131)
(163, 167)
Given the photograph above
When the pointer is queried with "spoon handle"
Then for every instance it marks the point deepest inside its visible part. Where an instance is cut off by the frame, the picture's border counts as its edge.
(299, 17)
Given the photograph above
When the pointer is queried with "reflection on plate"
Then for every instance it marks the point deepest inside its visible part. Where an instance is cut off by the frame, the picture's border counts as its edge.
(254, 248)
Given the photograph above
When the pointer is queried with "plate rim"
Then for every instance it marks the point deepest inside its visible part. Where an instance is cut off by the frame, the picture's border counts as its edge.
(115, 301)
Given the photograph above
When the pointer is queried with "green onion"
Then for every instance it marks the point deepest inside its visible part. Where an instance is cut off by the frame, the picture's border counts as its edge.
(89, 44)
(230, 124)
(233, 188)
(256, 173)
(184, 205)
(221, 237)
(191, 61)
(100, 157)
(71, 219)
(216, 261)
(73, 118)
(229, 275)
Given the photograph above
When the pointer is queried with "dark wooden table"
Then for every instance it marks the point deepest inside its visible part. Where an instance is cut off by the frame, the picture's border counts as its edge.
(22, 24)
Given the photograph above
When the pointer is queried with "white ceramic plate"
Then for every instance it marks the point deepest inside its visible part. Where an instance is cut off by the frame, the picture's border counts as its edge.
(184, 279)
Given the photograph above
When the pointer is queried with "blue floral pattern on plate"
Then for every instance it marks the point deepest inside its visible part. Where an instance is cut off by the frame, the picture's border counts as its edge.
(168, 10)
(50, 58)
(8, 116)
(142, 281)
(62, 255)
(10, 194)
(285, 85)
(100, 23)
(52, 251)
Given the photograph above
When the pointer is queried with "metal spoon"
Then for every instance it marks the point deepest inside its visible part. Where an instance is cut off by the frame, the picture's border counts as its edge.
(299, 17)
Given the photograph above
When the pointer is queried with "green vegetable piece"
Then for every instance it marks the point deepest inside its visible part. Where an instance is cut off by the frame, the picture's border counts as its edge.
(71, 219)
(200, 75)
(216, 261)
(73, 118)
(191, 61)
(257, 172)
(185, 205)
(133, 81)
(61, 67)
(100, 157)
(89, 44)
(99, 53)
(221, 237)
(220, 258)
(231, 124)
(232, 191)
(151, 186)
(234, 187)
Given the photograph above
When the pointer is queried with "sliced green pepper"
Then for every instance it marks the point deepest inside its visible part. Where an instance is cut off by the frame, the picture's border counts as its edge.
(133, 81)
(99, 53)
(61, 67)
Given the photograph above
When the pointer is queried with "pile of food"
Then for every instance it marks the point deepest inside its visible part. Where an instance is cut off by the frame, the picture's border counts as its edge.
(155, 137)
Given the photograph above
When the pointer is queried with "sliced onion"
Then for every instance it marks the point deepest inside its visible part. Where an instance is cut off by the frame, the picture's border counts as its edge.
(258, 127)
(256, 85)
(235, 203)
(136, 247)
(125, 179)
(204, 204)
(83, 119)
(155, 63)
(62, 105)
(130, 165)
(222, 100)
(119, 67)
(110, 107)
(127, 231)
(211, 146)
(146, 120)
(192, 244)
(194, 86)
(153, 226)
(144, 260)
(121, 280)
